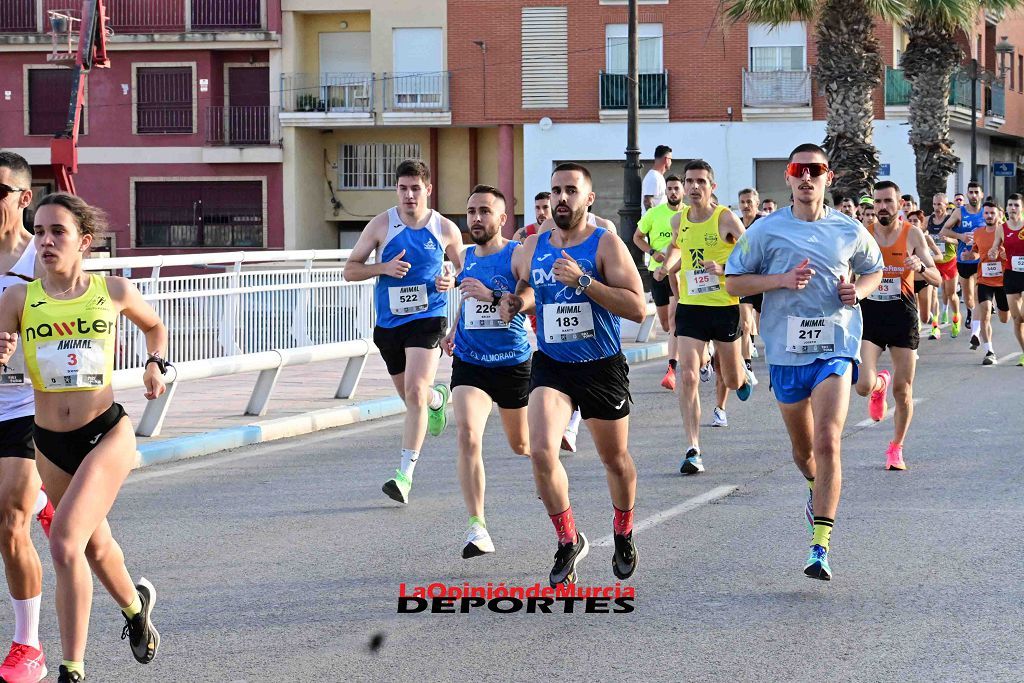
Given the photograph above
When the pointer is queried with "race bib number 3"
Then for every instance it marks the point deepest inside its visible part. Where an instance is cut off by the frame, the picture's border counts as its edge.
(408, 300)
(991, 268)
(700, 282)
(1017, 262)
(482, 316)
(71, 363)
(568, 322)
(810, 335)
(888, 290)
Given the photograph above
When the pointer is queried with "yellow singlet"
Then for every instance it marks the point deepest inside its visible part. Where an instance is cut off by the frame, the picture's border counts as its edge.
(701, 242)
(69, 344)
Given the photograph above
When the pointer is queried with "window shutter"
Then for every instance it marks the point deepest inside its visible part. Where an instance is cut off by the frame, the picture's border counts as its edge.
(545, 57)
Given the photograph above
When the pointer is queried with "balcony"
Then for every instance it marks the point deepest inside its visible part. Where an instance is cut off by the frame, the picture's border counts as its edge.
(613, 91)
(355, 99)
(991, 97)
(243, 126)
(777, 95)
(995, 105)
(416, 98)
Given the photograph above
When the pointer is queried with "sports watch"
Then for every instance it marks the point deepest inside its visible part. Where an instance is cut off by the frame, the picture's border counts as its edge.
(584, 282)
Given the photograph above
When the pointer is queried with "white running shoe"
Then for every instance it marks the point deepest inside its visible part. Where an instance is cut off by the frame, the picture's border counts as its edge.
(753, 351)
(707, 372)
(751, 378)
(569, 441)
(719, 419)
(478, 542)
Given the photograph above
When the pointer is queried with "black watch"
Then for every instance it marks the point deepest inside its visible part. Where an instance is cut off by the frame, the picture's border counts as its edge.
(496, 296)
(922, 269)
(160, 363)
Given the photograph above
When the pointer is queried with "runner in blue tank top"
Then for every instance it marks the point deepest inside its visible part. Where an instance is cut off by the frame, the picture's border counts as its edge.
(411, 241)
(581, 279)
(961, 226)
(491, 357)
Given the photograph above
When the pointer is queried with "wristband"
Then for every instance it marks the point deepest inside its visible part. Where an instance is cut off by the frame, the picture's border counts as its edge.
(160, 363)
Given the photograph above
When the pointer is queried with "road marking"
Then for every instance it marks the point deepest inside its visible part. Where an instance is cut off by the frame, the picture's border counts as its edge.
(1009, 356)
(674, 511)
(868, 422)
(252, 451)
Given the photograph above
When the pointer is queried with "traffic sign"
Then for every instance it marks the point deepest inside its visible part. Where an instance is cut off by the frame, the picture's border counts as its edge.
(884, 170)
(1004, 169)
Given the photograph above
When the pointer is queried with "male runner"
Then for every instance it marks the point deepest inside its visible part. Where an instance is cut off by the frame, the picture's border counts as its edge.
(1013, 269)
(801, 258)
(960, 225)
(411, 241)
(653, 186)
(867, 211)
(750, 306)
(541, 213)
(946, 263)
(987, 247)
(581, 279)
(768, 206)
(703, 236)
(491, 358)
(907, 204)
(848, 206)
(653, 236)
(959, 199)
(891, 317)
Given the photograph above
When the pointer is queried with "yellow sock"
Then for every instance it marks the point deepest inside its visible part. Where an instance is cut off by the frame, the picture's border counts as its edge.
(822, 531)
(810, 484)
(72, 667)
(134, 608)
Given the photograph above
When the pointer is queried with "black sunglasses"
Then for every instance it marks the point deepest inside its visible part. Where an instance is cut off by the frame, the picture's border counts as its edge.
(6, 190)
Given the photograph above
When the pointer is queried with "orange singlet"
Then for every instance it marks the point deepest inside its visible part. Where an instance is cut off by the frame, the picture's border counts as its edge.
(894, 256)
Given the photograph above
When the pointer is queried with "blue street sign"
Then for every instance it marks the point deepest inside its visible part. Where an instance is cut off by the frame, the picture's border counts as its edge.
(1004, 169)
(884, 170)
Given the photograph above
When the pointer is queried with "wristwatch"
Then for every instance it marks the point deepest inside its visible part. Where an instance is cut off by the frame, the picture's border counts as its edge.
(496, 296)
(161, 364)
(922, 268)
(584, 282)
(650, 252)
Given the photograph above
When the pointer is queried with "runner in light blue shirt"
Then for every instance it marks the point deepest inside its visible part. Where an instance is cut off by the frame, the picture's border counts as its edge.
(802, 259)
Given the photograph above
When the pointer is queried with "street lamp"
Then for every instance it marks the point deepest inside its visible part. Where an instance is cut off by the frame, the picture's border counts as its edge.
(1003, 48)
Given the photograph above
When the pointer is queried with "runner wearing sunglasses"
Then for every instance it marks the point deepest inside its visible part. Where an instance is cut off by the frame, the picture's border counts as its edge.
(801, 258)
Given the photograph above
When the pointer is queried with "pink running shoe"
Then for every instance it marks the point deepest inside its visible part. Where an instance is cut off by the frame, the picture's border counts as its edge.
(877, 406)
(24, 664)
(45, 518)
(894, 457)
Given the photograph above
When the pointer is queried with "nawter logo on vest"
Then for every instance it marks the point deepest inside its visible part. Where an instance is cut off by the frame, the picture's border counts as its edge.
(69, 329)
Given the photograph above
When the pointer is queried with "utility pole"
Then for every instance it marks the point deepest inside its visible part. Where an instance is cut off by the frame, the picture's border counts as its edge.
(629, 214)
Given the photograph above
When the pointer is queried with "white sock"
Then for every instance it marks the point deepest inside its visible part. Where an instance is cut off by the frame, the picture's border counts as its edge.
(40, 502)
(409, 459)
(988, 347)
(975, 326)
(26, 621)
(574, 422)
(436, 399)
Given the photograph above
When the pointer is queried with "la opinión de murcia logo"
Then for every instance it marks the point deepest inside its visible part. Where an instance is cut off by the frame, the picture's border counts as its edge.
(441, 598)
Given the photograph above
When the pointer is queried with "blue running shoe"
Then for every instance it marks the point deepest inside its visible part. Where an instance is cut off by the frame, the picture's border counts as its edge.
(692, 462)
(744, 392)
(817, 564)
(809, 511)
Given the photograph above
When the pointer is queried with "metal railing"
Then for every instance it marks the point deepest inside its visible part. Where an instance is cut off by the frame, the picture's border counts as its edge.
(995, 100)
(226, 15)
(426, 92)
(614, 90)
(244, 126)
(776, 88)
(897, 87)
(327, 92)
(18, 16)
(141, 16)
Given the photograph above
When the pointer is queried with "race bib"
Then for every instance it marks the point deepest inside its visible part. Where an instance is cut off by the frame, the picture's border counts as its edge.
(1017, 263)
(888, 290)
(479, 315)
(408, 300)
(568, 322)
(71, 363)
(810, 335)
(701, 282)
(991, 268)
(14, 371)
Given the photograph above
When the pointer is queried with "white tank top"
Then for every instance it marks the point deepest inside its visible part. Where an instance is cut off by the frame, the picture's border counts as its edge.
(16, 399)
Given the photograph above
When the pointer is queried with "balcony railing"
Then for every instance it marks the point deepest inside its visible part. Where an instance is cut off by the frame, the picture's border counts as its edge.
(653, 90)
(898, 88)
(141, 16)
(328, 92)
(425, 92)
(776, 88)
(995, 100)
(242, 126)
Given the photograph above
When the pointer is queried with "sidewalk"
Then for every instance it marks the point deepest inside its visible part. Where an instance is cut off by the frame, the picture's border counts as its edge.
(206, 415)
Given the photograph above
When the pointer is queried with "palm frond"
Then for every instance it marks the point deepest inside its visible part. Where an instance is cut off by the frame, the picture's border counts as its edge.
(772, 12)
(946, 15)
(892, 10)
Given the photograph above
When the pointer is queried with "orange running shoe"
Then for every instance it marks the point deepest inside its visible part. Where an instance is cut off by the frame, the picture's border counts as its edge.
(877, 406)
(24, 664)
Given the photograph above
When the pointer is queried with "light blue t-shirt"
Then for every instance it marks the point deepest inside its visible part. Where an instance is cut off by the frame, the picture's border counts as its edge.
(835, 245)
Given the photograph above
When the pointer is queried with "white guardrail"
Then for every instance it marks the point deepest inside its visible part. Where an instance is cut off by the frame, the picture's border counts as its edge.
(252, 311)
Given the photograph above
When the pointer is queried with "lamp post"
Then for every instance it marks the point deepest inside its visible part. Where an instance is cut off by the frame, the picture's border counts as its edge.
(629, 214)
(1003, 48)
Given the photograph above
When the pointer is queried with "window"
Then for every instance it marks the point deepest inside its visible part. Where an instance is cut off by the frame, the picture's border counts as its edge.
(371, 166)
(770, 180)
(419, 78)
(49, 96)
(649, 48)
(781, 48)
(545, 57)
(164, 101)
(206, 213)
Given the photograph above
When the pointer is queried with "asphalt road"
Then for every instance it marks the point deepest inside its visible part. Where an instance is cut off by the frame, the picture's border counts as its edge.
(282, 562)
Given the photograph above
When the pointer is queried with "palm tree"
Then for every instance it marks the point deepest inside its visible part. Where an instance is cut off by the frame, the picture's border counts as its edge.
(848, 70)
(929, 62)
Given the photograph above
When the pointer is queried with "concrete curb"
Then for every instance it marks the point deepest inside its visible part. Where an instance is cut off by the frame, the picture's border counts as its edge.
(180, 448)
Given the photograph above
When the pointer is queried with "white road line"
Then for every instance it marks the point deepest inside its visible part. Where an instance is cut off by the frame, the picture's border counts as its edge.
(868, 422)
(212, 460)
(1009, 356)
(674, 511)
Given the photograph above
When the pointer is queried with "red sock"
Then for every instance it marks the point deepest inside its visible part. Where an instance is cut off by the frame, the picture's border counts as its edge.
(565, 526)
(622, 523)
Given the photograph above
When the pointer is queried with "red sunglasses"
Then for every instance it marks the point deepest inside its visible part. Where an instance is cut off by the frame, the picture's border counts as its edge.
(815, 169)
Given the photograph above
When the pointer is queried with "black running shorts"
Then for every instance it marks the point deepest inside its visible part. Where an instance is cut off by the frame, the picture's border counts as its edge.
(919, 285)
(425, 333)
(708, 323)
(1013, 282)
(16, 438)
(891, 323)
(966, 270)
(989, 293)
(507, 385)
(68, 450)
(599, 388)
(754, 300)
(661, 290)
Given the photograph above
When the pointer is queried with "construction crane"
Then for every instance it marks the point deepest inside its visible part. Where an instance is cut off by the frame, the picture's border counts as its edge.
(81, 40)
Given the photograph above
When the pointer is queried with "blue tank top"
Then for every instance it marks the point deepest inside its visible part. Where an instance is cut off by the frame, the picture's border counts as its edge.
(481, 337)
(969, 222)
(401, 300)
(570, 327)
